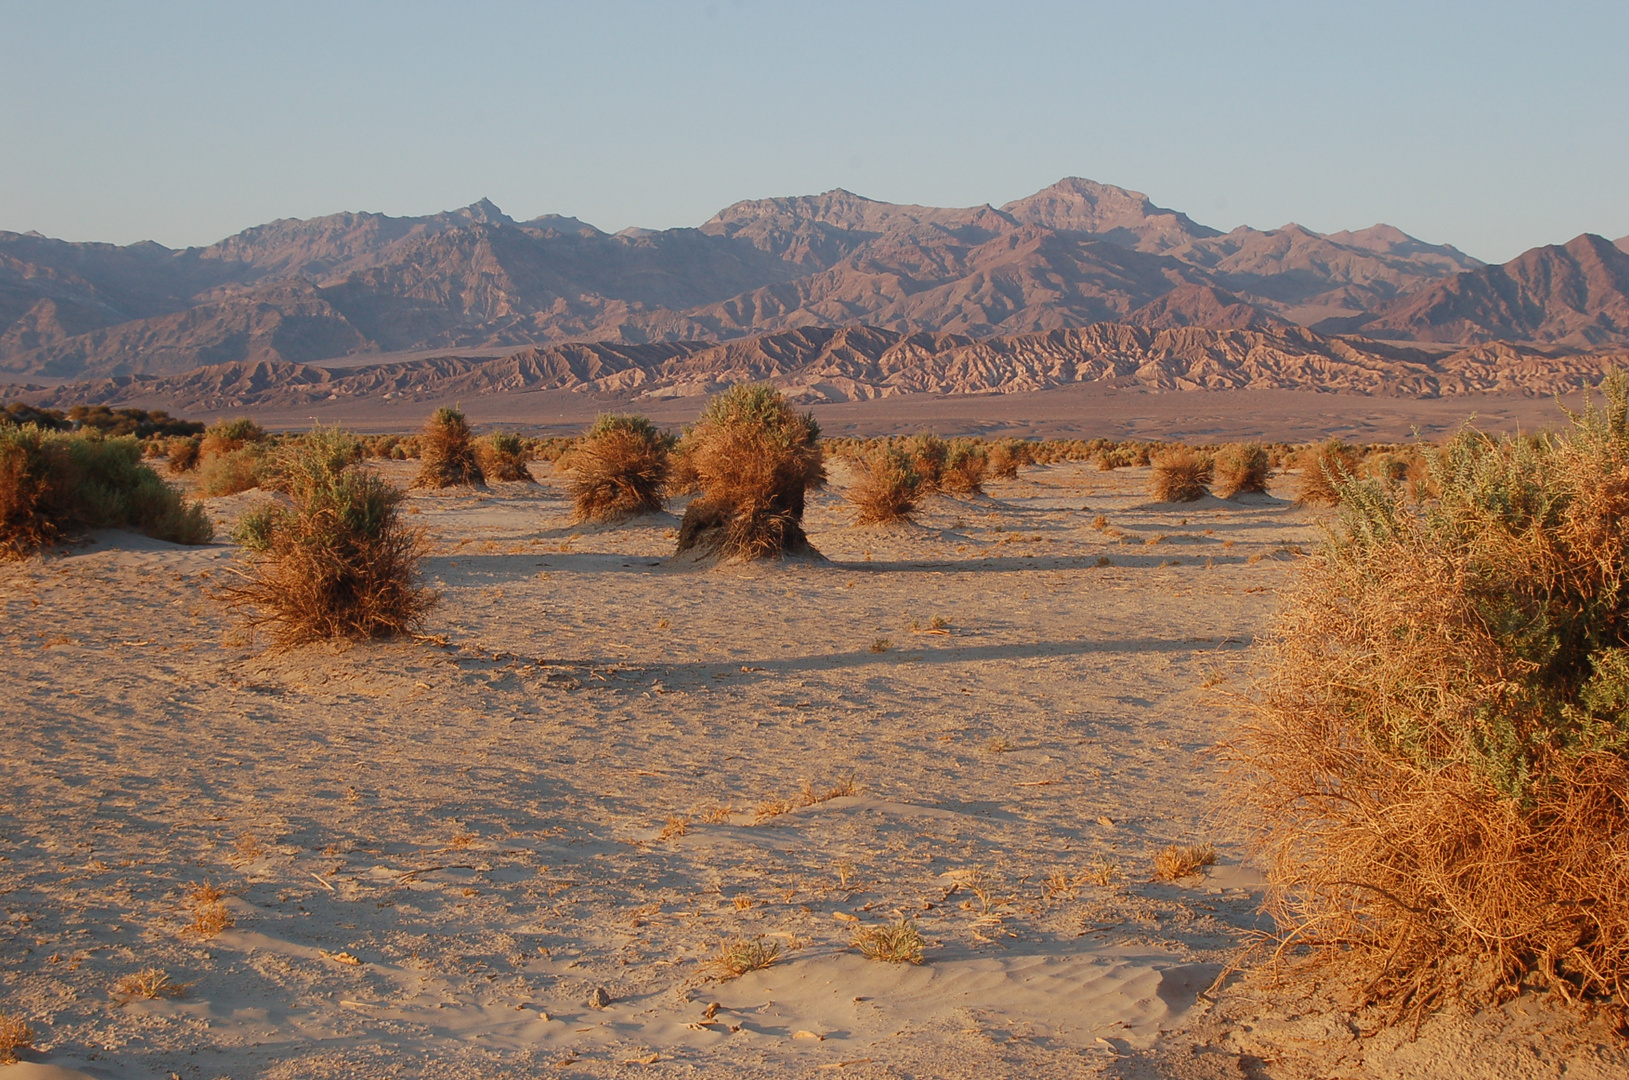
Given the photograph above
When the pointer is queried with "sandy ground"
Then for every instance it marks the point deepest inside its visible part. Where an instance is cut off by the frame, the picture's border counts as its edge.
(438, 852)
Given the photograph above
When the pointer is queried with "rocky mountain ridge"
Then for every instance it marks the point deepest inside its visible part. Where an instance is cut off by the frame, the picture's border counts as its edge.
(1073, 254)
(820, 364)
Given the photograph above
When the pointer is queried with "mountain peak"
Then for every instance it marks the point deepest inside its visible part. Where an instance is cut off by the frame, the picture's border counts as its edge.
(484, 211)
(1076, 204)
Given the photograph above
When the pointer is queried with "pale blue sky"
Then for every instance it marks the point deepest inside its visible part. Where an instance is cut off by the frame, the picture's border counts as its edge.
(1493, 126)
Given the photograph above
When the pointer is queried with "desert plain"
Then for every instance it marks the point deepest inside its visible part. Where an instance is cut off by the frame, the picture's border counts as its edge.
(517, 845)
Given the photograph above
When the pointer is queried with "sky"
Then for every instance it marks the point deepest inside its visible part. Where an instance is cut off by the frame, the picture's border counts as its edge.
(1494, 126)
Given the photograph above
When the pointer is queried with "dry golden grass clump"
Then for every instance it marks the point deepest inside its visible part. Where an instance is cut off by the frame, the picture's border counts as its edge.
(1180, 475)
(892, 943)
(887, 488)
(754, 457)
(15, 1035)
(619, 469)
(1323, 468)
(53, 484)
(339, 563)
(206, 905)
(149, 984)
(1438, 744)
(1183, 860)
(503, 457)
(447, 455)
(737, 957)
(964, 469)
(1242, 469)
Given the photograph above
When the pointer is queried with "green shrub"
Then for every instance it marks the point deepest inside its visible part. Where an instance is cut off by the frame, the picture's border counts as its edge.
(1439, 742)
(232, 471)
(53, 484)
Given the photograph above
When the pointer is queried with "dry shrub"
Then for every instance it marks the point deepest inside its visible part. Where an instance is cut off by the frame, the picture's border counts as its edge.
(1323, 468)
(736, 958)
(182, 453)
(964, 469)
(503, 456)
(225, 436)
(54, 484)
(232, 471)
(1438, 743)
(338, 563)
(447, 452)
(15, 1035)
(1242, 469)
(887, 488)
(149, 984)
(1180, 475)
(1005, 458)
(755, 457)
(1183, 860)
(619, 468)
(206, 905)
(928, 453)
(892, 943)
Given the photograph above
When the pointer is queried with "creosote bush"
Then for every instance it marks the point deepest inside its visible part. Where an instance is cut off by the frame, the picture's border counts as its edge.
(754, 457)
(619, 469)
(1005, 458)
(1438, 743)
(1180, 475)
(928, 453)
(886, 488)
(225, 436)
(503, 457)
(338, 563)
(181, 453)
(230, 472)
(447, 455)
(1241, 469)
(53, 484)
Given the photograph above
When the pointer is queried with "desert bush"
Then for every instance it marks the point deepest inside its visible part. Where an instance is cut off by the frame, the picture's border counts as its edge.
(503, 456)
(1323, 468)
(21, 414)
(1005, 458)
(225, 436)
(447, 452)
(142, 423)
(736, 958)
(964, 468)
(928, 454)
(887, 486)
(53, 484)
(1438, 744)
(1241, 469)
(1180, 475)
(619, 468)
(229, 472)
(182, 453)
(755, 457)
(337, 562)
(15, 1035)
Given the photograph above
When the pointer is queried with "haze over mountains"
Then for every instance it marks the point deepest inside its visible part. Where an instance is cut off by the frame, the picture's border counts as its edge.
(946, 284)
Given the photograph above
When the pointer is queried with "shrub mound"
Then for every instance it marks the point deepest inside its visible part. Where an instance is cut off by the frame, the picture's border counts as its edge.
(338, 562)
(1323, 469)
(53, 484)
(1438, 744)
(1180, 475)
(619, 468)
(503, 457)
(887, 487)
(1006, 456)
(1242, 469)
(964, 469)
(929, 454)
(447, 453)
(754, 458)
